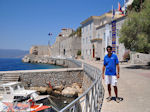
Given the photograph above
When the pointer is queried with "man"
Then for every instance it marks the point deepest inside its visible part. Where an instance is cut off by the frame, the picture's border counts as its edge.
(110, 64)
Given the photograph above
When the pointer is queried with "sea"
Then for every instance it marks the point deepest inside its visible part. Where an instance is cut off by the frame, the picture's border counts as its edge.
(12, 64)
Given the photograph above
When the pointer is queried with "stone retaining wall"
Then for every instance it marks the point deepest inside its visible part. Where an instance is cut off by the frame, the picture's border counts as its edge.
(49, 60)
(64, 77)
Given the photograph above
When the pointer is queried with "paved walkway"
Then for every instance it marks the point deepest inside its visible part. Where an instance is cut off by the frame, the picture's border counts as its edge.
(133, 88)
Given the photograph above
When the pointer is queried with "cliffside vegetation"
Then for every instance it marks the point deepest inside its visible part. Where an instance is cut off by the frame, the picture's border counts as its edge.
(77, 32)
(135, 32)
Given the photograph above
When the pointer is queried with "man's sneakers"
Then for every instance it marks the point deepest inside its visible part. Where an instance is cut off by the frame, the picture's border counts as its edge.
(109, 99)
(117, 100)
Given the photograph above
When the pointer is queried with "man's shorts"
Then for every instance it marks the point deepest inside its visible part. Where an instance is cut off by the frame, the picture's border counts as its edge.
(109, 79)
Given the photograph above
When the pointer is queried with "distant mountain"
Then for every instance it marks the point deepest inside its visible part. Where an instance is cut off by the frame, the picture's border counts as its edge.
(12, 53)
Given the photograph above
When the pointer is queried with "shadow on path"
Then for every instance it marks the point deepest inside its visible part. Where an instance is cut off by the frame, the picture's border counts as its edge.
(145, 67)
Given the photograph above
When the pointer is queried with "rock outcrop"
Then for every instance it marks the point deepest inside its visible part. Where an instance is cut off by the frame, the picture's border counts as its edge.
(42, 90)
(74, 90)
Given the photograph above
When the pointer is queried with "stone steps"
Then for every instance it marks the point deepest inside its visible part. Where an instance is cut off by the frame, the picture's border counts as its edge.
(8, 78)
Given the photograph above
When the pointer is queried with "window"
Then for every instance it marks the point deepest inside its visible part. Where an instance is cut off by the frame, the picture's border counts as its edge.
(98, 36)
(90, 37)
(7, 90)
(90, 26)
(16, 87)
(86, 40)
(90, 51)
(86, 28)
(104, 36)
(110, 34)
(21, 86)
(83, 41)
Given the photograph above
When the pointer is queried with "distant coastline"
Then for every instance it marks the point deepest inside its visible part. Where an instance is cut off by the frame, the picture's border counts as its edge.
(12, 53)
(13, 64)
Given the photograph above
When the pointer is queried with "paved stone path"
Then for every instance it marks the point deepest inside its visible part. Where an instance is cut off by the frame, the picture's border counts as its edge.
(133, 88)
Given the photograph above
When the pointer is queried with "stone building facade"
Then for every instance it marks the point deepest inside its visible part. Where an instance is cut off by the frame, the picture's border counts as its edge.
(56, 48)
(94, 47)
(89, 33)
(104, 32)
(40, 50)
(97, 34)
(66, 45)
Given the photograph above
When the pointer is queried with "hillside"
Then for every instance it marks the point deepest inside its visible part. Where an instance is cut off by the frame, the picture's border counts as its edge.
(12, 53)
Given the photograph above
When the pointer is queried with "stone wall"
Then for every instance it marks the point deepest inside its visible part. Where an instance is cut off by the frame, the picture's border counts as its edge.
(48, 60)
(87, 81)
(139, 58)
(55, 77)
(86, 78)
(65, 76)
(40, 50)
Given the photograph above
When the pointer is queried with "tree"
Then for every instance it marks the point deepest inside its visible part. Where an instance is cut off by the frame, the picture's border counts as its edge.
(135, 32)
(137, 5)
(77, 32)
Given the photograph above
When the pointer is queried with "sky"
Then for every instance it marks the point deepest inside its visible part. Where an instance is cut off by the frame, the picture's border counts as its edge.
(24, 23)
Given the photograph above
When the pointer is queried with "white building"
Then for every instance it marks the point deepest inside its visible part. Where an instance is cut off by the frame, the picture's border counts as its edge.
(104, 32)
(89, 32)
(97, 35)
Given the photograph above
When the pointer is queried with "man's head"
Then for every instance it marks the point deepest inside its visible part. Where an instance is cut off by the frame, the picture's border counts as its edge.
(109, 49)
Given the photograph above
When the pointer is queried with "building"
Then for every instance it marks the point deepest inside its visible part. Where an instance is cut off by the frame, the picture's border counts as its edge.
(98, 33)
(89, 33)
(66, 45)
(104, 33)
(40, 50)
(94, 47)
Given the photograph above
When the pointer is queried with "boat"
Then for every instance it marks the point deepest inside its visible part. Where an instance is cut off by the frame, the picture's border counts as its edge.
(16, 98)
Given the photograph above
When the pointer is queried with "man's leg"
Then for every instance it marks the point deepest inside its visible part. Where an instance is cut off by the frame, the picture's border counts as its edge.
(109, 90)
(116, 91)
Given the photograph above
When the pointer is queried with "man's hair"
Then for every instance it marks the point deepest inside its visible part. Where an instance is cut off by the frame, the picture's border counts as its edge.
(109, 47)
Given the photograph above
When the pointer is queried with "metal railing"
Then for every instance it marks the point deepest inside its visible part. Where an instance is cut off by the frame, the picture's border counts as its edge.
(91, 99)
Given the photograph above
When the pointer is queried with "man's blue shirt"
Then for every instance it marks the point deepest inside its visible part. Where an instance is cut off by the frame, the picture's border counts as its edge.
(110, 64)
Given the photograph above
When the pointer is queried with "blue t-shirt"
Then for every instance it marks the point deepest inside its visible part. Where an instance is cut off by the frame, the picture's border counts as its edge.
(110, 64)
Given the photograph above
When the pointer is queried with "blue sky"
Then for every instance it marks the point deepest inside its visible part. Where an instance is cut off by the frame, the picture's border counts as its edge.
(24, 23)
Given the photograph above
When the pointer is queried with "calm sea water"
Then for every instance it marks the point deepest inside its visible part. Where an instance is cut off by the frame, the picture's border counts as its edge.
(11, 64)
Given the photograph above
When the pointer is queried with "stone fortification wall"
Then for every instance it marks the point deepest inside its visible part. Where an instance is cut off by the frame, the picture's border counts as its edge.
(40, 50)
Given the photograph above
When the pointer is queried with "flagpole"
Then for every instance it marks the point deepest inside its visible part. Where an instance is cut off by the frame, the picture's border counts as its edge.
(112, 12)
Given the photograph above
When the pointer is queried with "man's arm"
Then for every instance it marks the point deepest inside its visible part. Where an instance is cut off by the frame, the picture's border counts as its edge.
(103, 70)
(118, 71)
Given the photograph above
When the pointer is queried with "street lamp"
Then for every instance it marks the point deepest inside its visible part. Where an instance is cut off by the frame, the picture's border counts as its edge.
(49, 42)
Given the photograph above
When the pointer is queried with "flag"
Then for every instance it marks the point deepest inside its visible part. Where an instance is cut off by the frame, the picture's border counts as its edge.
(120, 9)
(113, 12)
(50, 34)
